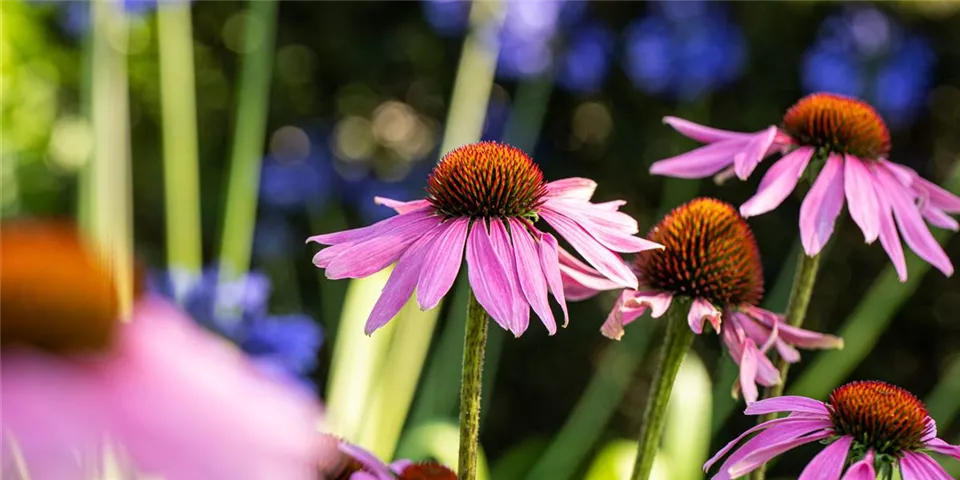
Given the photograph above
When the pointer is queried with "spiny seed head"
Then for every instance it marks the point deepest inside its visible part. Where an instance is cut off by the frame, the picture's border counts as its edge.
(878, 415)
(427, 471)
(839, 124)
(484, 180)
(709, 253)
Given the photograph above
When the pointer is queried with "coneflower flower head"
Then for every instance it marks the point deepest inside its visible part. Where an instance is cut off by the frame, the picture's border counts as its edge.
(845, 144)
(710, 260)
(483, 202)
(872, 426)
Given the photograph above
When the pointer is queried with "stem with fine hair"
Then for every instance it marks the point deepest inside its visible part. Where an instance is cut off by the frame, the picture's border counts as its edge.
(803, 283)
(676, 343)
(474, 340)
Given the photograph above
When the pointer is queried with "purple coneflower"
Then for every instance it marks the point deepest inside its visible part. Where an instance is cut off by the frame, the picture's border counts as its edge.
(871, 427)
(485, 199)
(346, 461)
(711, 259)
(848, 143)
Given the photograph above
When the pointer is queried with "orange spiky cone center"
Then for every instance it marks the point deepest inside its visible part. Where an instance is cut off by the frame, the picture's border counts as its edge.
(486, 180)
(709, 252)
(838, 124)
(878, 415)
(427, 471)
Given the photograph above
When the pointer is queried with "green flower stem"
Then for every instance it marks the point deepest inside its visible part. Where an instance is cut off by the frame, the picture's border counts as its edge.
(471, 382)
(803, 283)
(677, 342)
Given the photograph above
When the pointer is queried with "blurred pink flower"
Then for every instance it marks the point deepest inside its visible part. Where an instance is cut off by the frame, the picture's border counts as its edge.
(345, 461)
(848, 143)
(484, 199)
(872, 423)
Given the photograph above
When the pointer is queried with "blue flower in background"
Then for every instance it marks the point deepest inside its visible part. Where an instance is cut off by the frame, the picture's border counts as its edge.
(288, 184)
(75, 15)
(285, 345)
(684, 49)
(585, 62)
(862, 53)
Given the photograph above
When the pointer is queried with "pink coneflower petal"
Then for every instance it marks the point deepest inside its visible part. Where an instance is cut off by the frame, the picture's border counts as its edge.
(444, 258)
(500, 240)
(612, 237)
(778, 182)
(700, 311)
(657, 302)
(597, 213)
(828, 464)
(937, 196)
(574, 188)
(703, 134)
(533, 283)
(403, 280)
(938, 218)
(581, 281)
(549, 260)
(753, 152)
(942, 447)
(748, 371)
(790, 429)
(799, 337)
(620, 316)
(736, 441)
(401, 206)
(760, 456)
(914, 230)
(787, 403)
(370, 256)
(862, 469)
(889, 238)
(489, 278)
(375, 469)
(821, 206)
(919, 466)
(360, 234)
(861, 200)
(698, 163)
(605, 261)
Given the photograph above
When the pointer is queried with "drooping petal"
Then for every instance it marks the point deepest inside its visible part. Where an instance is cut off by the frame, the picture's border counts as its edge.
(762, 455)
(790, 429)
(861, 199)
(580, 281)
(938, 218)
(371, 464)
(701, 162)
(532, 281)
(778, 182)
(781, 422)
(620, 316)
(828, 464)
(571, 188)
(658, 302)
(360, 234)
(605, 261)
(401, 206)
(701, 133)
(889, 238)
(822, 205)
(919, 466)
(549, 260)
(939, 446)
(597, 213)
(748, 371)
(403, 280)
(613, 239)
(862, 469)
(370, 256)
(702, 310)
(796, 336)
(787, 403)
(915, 232)
(747, 160)
(444, 258)
(488, 277)
(937, 196)
(500, 240)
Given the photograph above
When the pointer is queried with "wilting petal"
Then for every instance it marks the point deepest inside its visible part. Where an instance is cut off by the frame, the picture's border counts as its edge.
(658, 302)
(572, 188)
(828, 464)
(822, 205)
(532, 281)
(748, 371)
(605, 261)
(701, 162)
(862, 469)
(889, 237)
(787, 403)
(444, 258)
(700, 311)
(915, 232)
(549, 260)
(701, 133)
(760, 456)
(919, 466)
(488, 278)
(778, 182)
(403, 279)
(861, 200)
(360, 234)
(401, 206)
(370, 256)
(747, 160)
(620, 316)
(500, 240)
